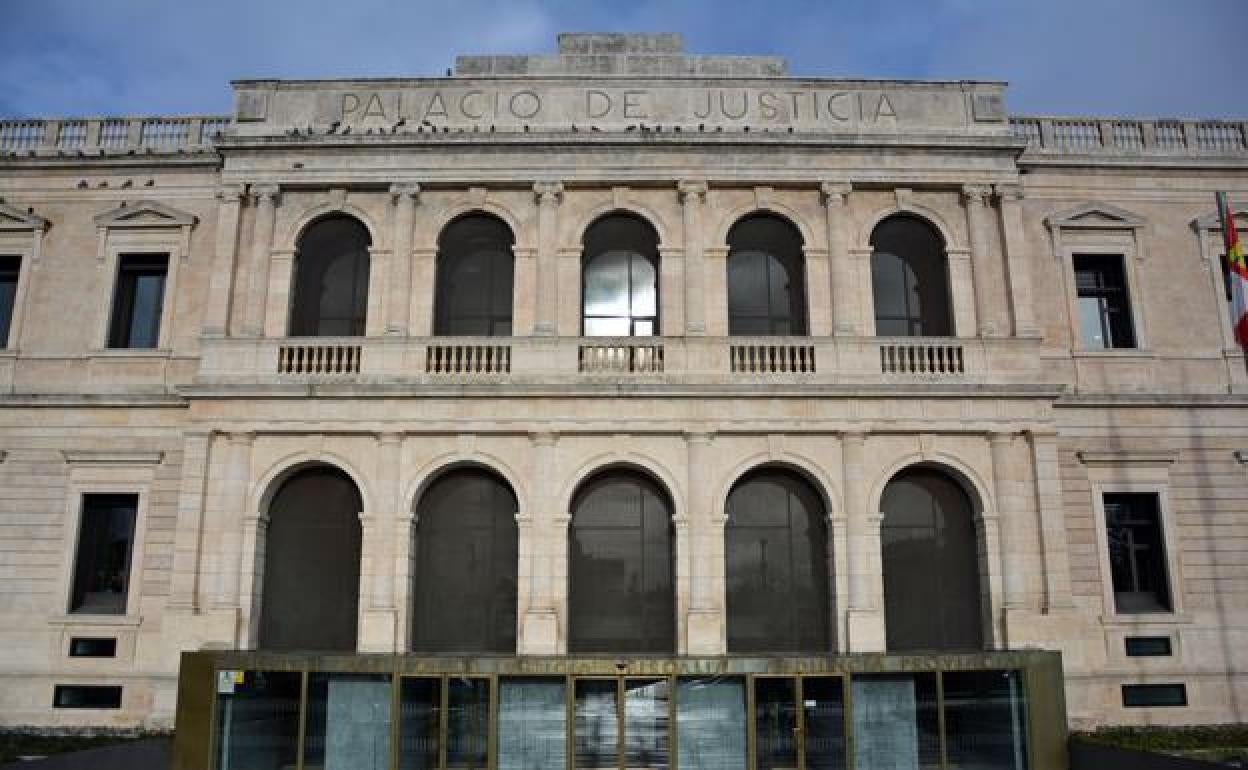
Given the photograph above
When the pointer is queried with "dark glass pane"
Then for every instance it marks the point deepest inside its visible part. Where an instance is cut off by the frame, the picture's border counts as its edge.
(475, 275)
(823, 705)
(985, 720)
(331, 279)
(467, 723)
(1104, 306)
(620, 286)
(10, 268)
(1154, 695)
(597, 726)
(138, 301)
(909, 278)
(1137, 553)
(102, 561)
(532, 723)
(930, 560)
(621, 589)
(646, 717)
(775, 723)
(420, 707)
(464, 585)
(710, 723)
(776, 545)
(348, 724)
(766, 278)
(895, 721)
(92, 647)
(312, 564)
(86, 696)
(1148, 646)
(257, 720)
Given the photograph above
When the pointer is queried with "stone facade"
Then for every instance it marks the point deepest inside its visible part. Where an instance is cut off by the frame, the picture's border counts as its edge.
(208, 423)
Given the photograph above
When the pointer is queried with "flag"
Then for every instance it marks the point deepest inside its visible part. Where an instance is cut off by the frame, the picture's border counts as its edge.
(1237, 271)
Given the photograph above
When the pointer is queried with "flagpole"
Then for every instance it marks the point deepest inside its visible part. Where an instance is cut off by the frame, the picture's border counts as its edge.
(1235, 266)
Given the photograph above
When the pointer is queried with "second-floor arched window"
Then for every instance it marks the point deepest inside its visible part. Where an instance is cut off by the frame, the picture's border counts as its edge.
(766, 281)
(475, 270)
(331, 279)
(909, 279)
(620, 278)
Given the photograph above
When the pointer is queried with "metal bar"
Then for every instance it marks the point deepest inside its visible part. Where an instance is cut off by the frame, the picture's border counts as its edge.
(940, 718)
(444, 686)
(303, 718)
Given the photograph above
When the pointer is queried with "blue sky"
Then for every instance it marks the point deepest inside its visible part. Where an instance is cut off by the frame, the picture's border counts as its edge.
(1073, 57)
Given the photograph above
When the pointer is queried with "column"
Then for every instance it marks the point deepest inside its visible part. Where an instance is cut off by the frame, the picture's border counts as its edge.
(975, 197)
(548, 195)
(235, 479)
(962, 293)
(265, 197)
(543, 554)
(188, 536)
(705, 629)
(405, 196)
(692, 196)
(865, 620)
(845, 288)
(221, 279)
(1053, 541)
(1018, 277)
(1010, 512)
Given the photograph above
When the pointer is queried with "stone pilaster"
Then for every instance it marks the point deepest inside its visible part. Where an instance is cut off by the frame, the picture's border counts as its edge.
(1018, 274)
(962, 293)
(865, 622)
(265, 198)
(1052, 522)
(184, 588)
(692, 198)
(976, 198)
(846, 288)
(235, 479)
(705, 630)
(221, 279)
(405, 195)
(549, 195)
(543, 554)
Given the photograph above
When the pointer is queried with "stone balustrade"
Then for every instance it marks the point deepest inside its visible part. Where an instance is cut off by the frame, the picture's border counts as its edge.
(1096, 136)
(111, 135)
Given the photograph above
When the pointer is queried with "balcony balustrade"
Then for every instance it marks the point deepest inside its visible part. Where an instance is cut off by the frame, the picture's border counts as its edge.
(1094, 136)
(111, 135)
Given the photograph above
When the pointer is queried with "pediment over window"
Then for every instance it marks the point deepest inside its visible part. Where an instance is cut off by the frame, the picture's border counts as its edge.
(1094, 215)
(1211, 221)
(13, 218)
(145, 214)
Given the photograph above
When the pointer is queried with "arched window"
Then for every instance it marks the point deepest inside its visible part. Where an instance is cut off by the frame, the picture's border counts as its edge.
(776, 565)
(311, 583)
(620, 278)
(766, 278)
(909, 279)
(464, 582)
(475, 269)
(931, 564)
(331, 279)
(621, 597)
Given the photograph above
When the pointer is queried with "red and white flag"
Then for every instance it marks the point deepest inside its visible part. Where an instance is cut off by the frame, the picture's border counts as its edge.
(1237, 271)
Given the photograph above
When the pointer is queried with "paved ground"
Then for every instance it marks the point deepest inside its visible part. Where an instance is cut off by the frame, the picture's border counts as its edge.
(150, 754)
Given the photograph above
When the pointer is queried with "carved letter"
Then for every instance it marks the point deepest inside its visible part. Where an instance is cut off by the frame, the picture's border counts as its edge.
(524, 104)
(796, 111)
(463, 105)
(437, 108)
(604, 99)
(631, 104)
(707, 112)
(350, 103)
(884, 109)
(838, 113)
(767, 105)
(374, 108)
(723, 106)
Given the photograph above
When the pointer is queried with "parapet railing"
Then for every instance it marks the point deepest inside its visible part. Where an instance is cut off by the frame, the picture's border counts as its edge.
(1078, 136)
(111, 135)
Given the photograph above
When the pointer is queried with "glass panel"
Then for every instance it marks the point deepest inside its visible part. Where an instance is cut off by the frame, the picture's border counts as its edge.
(331, 279)
(909, 277)
(597, 724)
(467, 723)
(775, 723)
(420, 705)
(257, 720)
(645, 286)
(606, 284)
(475, 272)
(985, 720)
(102, 563)
(137, 301)
(1137, 553)
(710, 724)
(895, 722)
(607, 327)
(348, 722)
(823, 714)
(1092, 327)
(532, 724)
(646, 719)
(9, 270)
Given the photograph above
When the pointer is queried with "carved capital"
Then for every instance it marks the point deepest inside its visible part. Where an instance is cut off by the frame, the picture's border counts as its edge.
(691, 191)
(699, 437)
(1009, 192)
(976, 194)
(230, 193)
(544, 438)
(265, 193)
(548, 193)
(998, 438)
(400, 190)
(835, 193)
(244, 438)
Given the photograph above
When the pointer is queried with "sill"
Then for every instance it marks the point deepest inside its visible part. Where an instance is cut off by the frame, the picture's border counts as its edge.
(1113, 353)
(87, 619)
(132, 352)
(1133, 620)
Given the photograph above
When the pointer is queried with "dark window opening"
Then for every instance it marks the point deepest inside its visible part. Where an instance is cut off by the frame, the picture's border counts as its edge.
(1104, 307)
(102, 561)
(1148, 646)
(312, 564)
(1137, 553)
(475, 272)
(464, 584)
(909, 280)
(621, 593)
(620, 278)
(10, 269)
(931, 565)
(138, 301)
(331, 279)
(86, 696)
(766, 278)
(776, 546)
(92, 647)
(1154, 695)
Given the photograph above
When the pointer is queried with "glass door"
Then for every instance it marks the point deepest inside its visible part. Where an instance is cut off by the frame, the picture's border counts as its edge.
(622, 724)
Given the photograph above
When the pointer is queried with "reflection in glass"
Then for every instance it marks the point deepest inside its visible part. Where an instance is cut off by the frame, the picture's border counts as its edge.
(909, 279)
(532, 724)
(102, 560)
(823, 721)
(766, 285)
(348, 724)
(475, 273)
(420, 705)
(597, 724)
(331, 279)
(467, 723)
(895, 721)
(985, 720)
(775, 723)
(258, 720)
(646, 718)
(620, 283)
(10, 269)
(710, 723)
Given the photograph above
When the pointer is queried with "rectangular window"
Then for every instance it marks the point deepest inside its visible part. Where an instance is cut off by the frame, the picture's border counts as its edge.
(1104, 307)
(102, 562)
(138, 300)
(1137, 552)
(1148, 647)
(10, 268)
(1154, 695)
(92, 647)
(86, 696)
